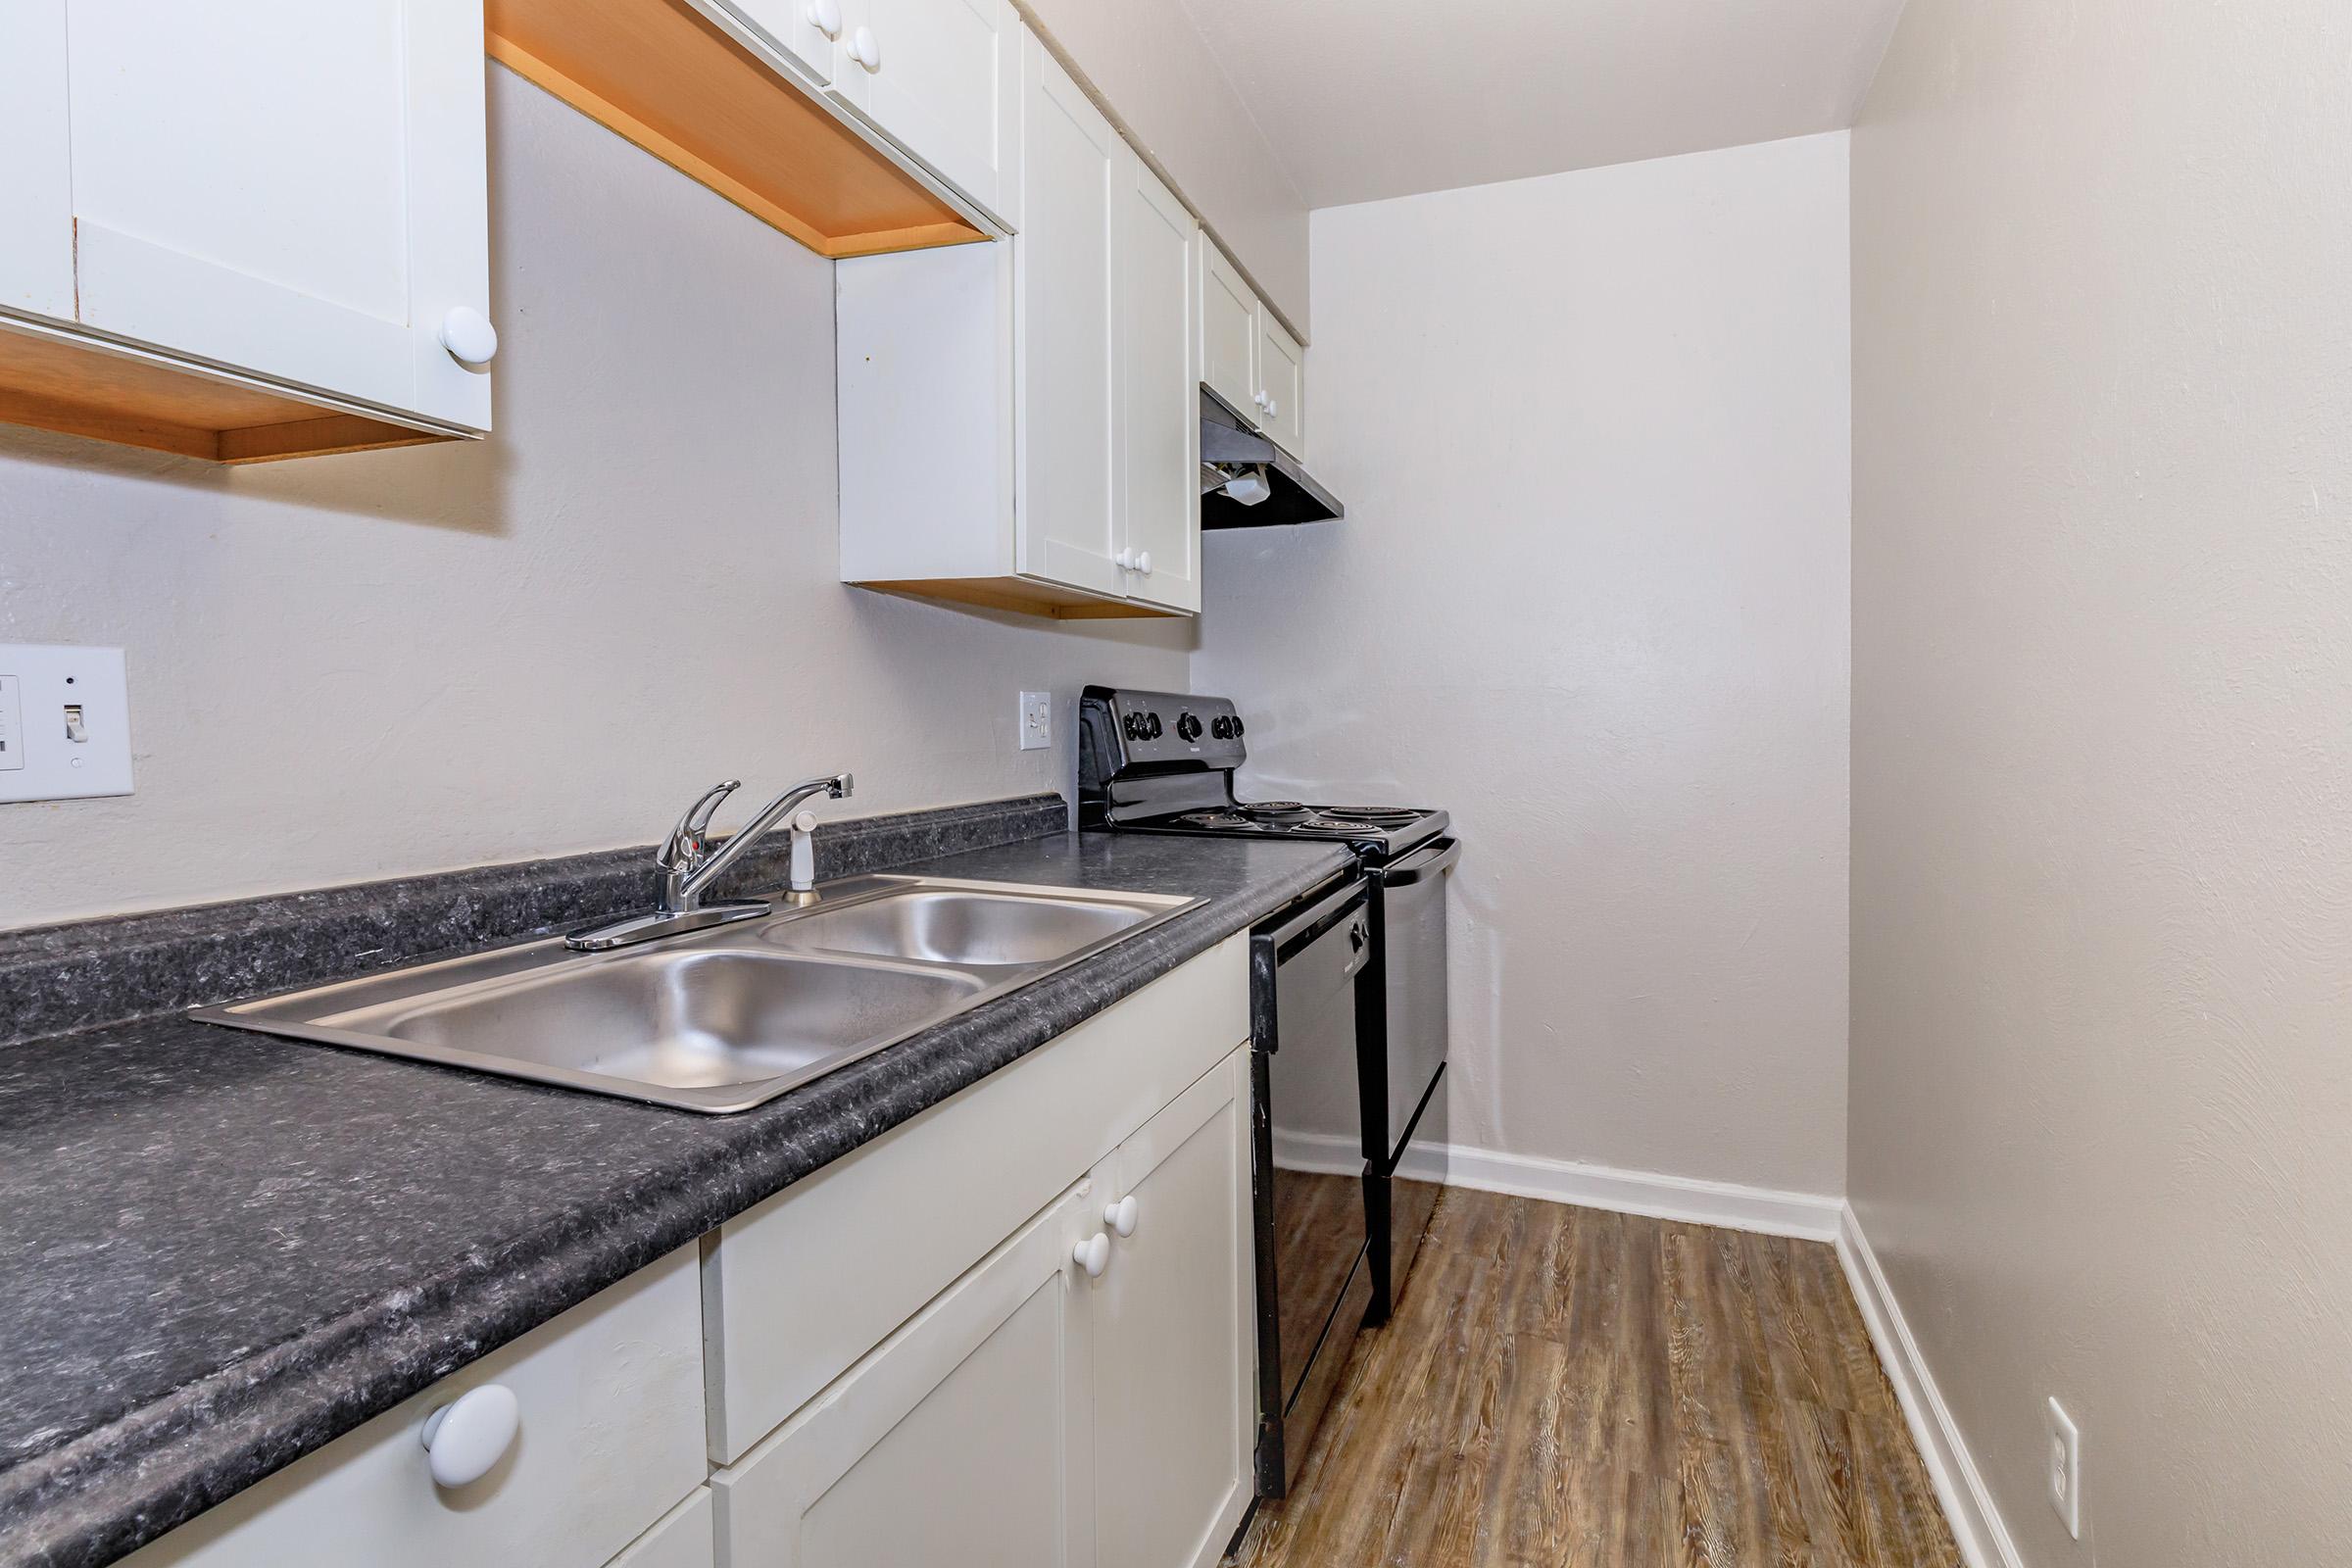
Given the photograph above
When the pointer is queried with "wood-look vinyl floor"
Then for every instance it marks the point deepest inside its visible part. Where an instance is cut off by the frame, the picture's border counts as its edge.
(1568, 1386)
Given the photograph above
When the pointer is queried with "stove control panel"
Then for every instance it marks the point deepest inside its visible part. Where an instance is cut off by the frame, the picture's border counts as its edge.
(1155, 731)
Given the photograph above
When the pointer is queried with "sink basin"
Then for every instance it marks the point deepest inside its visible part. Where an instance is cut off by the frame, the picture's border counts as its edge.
(677, 1019)
(941, 926)
(726, 1018)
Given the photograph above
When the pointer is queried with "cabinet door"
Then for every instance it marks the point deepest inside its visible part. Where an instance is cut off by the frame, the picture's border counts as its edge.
(942, 79)
(1062, 355)
(1159, 404)
(1282, 386)
(1228, 331)
(285, 187)
(36, 181)
(1174, 1337)
(964, 1437)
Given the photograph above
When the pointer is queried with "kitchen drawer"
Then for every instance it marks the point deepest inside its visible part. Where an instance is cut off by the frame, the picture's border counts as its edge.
(610, 1439)
(798, 1288)
(682, 1539)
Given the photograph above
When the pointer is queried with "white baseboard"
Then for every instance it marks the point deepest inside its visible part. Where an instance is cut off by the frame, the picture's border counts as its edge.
(1811, 1216)
(1977, 1526)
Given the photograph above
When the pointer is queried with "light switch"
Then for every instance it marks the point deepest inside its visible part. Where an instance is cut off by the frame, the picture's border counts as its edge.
(65, 724)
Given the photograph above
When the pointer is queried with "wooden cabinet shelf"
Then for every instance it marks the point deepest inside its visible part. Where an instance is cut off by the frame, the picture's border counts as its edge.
(664, 75)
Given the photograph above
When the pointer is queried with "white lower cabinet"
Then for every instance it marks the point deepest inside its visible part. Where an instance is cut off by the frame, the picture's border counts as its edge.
(1173, 1333)
(964, 1438)
(609, 1440)
(1040, 1412)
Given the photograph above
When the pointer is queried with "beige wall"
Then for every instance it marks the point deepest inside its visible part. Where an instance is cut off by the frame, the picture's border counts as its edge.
(364, 666)
(1149, 62)
(2102, 756)
(1591, 596)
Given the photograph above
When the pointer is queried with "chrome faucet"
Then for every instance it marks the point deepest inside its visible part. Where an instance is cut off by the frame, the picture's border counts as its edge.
(690, 864)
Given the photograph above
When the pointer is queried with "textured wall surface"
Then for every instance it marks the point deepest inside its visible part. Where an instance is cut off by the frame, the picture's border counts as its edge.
(1590, 595)
(2103, 855)
(357, 667)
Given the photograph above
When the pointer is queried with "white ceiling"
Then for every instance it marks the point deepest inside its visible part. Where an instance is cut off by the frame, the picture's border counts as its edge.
(1364, 99)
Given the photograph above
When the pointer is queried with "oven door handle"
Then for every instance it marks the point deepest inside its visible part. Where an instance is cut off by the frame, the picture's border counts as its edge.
(1441, 857)
(1325, 912)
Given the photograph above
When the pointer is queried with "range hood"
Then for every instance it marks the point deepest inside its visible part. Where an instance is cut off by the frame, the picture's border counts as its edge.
(1246, 481)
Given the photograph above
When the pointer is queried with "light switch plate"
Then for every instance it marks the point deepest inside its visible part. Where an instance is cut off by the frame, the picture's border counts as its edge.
(1036, 721)
(42, 689)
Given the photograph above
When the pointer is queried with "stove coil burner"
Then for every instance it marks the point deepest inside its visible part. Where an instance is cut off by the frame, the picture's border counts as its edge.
(1276, 810)
(1379, 816)
(1218, 819)
(1340, 824)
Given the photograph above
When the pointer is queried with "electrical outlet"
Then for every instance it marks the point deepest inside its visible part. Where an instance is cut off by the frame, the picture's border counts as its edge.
(2064, 1462)
(1036, 721)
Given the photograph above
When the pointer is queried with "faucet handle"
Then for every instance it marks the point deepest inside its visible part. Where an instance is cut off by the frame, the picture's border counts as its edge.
(689, 843)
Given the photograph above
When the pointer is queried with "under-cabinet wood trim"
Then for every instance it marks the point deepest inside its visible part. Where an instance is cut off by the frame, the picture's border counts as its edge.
(55, 379)
(699, 97)
(1023, 596)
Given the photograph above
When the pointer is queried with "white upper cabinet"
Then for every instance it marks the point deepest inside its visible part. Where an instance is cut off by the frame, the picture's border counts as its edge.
(295, 191)
(1280, 385)
(1228, 330)
(1248, 357)
(805, 31)
(1051, 384)
(1063, 363)
(1159, 419)
(942, 79)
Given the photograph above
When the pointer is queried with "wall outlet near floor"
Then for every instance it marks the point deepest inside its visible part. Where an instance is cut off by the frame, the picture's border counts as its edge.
(2065, 1466)
(65, 724)
(1036, 721)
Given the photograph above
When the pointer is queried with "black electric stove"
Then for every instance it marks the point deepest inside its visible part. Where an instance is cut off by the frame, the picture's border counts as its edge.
(1371, 1108)
(1161, 763)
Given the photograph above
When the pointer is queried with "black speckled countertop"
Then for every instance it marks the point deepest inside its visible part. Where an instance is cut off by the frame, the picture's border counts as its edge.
(224, 1250)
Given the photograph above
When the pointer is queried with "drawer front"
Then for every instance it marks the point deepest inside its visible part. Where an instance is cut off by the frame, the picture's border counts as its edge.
(682, 1539)
(611, 1439)
(798, 1288)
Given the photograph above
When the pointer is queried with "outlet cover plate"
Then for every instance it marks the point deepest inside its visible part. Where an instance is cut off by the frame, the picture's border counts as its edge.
(2064, 1462)
(1036, 721)
(41, 682)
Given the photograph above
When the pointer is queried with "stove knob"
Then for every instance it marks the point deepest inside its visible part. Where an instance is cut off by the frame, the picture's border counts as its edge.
(1151, 727)
(1216, 728)
(1188, 727)
(1133, 724)
(1236, 726)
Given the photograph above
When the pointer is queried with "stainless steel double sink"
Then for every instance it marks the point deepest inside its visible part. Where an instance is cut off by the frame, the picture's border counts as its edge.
(720, 1019)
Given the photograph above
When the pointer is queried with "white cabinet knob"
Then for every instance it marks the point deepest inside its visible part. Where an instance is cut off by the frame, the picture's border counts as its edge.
(1272, 408)
(468, 337)
(864, 50)
(1143, 562)
(1120, 1216)
(1093, 1255)
(1125, 559)
(464, 1439)
(1260, 398)
(824, 16)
